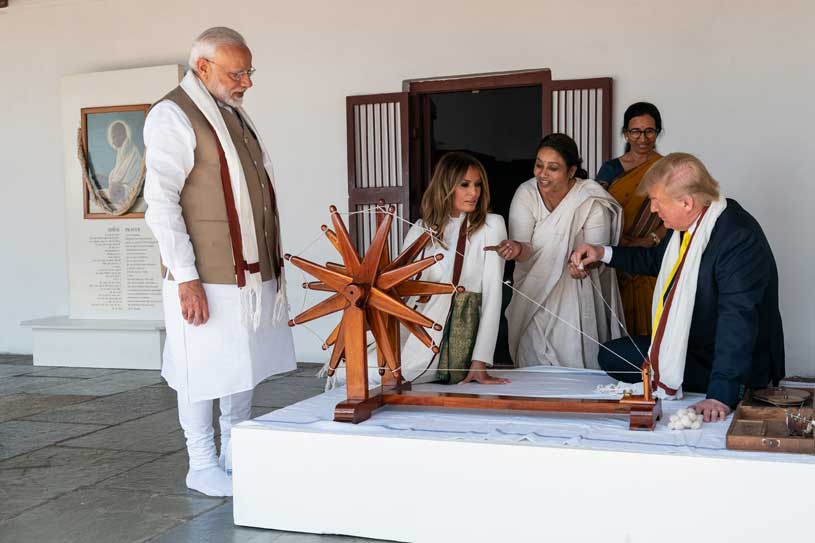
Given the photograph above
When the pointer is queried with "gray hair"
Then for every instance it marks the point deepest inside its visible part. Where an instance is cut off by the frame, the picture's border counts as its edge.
(210, 39)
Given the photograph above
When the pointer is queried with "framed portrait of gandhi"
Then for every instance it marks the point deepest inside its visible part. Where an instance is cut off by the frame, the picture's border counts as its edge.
(110, 148)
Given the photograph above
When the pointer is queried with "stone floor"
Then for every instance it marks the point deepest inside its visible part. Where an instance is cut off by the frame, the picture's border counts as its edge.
(98, 455)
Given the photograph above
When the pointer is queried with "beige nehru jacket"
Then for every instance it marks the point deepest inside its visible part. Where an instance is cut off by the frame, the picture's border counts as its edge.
(202, 198)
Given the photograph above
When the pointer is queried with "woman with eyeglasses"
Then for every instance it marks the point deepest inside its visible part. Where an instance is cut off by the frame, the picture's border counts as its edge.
(642, 123)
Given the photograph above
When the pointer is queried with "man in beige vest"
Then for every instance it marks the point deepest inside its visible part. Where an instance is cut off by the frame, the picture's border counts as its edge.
(213, 208)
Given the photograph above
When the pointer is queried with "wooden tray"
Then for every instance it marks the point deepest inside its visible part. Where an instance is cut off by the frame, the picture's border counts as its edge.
(764, 428)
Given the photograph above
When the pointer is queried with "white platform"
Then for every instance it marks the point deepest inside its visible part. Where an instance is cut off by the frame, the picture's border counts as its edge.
(422, 474)
(97, 343)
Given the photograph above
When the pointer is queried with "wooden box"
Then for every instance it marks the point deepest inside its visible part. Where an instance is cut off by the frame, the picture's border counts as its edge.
(764, 428)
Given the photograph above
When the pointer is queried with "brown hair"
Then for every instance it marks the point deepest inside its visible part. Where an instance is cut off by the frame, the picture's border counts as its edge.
(437, 201)
(683, 175)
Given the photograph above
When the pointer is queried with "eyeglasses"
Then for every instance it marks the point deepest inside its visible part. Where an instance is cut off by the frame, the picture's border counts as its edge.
(235, 76)
(636, 133)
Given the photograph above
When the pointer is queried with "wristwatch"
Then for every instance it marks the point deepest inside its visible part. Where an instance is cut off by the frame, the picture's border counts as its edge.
(655, 239)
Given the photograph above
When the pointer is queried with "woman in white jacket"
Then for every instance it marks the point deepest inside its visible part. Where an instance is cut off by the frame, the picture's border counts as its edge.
(456, 204)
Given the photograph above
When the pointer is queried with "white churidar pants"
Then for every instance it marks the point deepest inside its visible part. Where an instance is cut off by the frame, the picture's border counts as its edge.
(196, 421)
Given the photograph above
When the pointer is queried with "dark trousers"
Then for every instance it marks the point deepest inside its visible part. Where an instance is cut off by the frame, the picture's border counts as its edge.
(697, 376)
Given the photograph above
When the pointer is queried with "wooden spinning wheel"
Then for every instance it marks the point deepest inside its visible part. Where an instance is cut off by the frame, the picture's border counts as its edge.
(370, 291)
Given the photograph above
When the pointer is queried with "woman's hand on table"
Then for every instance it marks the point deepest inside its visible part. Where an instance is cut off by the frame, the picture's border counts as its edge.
(478, 374)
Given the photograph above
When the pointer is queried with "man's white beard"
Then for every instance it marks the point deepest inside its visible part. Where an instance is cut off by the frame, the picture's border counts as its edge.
(223, 95)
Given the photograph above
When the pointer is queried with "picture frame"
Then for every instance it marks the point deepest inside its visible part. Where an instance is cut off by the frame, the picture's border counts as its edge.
(111, 153)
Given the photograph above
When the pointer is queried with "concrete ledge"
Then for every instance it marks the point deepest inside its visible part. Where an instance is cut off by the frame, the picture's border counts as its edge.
(97, 343)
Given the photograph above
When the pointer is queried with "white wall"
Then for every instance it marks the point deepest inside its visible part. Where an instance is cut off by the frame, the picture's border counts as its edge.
(732, 78)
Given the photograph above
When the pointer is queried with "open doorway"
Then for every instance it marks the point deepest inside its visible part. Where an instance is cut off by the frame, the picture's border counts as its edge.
(500, 127)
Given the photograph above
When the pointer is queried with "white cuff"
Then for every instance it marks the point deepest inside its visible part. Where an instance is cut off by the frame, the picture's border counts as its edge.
(607, 252)
(182, 275)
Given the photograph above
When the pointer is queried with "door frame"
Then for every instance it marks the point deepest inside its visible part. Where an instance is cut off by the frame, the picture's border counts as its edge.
(418, 92)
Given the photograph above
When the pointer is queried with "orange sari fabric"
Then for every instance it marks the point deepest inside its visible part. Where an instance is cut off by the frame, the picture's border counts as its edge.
(636, 291)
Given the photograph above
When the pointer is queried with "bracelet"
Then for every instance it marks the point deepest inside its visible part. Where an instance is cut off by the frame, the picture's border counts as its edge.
(655, 239)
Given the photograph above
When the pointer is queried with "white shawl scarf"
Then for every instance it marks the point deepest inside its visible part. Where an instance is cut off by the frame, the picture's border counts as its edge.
(674, 347)
(250, 294)
(553, 240)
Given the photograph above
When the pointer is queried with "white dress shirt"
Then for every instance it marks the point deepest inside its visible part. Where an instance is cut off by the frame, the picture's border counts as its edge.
(170, 143)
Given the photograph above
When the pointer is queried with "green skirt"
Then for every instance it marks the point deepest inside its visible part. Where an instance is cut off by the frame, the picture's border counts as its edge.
(458, 341)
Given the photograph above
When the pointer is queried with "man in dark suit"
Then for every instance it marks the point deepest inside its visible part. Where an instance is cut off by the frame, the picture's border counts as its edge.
(736, 340)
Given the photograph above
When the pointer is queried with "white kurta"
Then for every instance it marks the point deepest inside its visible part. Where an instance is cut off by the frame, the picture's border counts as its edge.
(587, 214)
(482, 271)
(221, 357)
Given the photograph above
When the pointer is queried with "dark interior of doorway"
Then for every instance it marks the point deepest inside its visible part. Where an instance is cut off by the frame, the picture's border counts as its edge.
(502, 128)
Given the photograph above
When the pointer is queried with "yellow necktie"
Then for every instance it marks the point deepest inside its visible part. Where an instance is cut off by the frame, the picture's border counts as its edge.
(682, 250)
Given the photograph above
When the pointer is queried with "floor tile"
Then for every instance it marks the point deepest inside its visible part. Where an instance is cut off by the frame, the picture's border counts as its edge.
(310, 370)
(114, 409)
(17, 406)
(30, 383)
(21, 436)
(216, 526)
(284, 392)
(159, 433)
(297, 537)
(260, 411)
(108, 384)
(164, 475)
(8, 370)
(32, 479)
(17, 359)
(102, 515)
(73, 373)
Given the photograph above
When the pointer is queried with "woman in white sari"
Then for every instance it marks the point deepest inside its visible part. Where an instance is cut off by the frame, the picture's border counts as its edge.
(552, 213)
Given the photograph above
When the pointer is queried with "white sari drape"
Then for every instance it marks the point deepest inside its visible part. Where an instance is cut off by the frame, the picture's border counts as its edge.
(588, 214)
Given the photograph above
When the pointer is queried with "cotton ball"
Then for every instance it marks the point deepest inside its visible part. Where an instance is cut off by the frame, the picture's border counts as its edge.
(692, 415)
(671, 426)
(674, 418)
(686, 422)
(696, 424)
(682, 412)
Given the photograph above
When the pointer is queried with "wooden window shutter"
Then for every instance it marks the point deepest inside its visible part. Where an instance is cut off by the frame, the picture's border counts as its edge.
(378, 165)
(581, 108)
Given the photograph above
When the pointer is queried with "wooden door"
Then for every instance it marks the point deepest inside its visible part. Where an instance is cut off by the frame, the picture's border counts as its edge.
(378, 165)
(581, 108)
